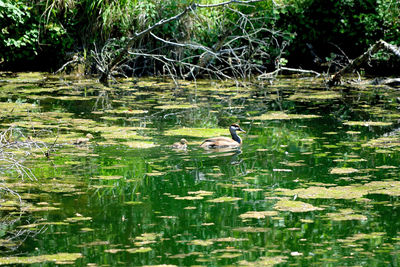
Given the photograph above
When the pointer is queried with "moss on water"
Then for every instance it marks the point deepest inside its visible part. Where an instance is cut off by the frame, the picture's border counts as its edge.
(294, 206)
(263, 261)
(258, 214)
(196, 132)
(342, 170)
(367, 123)
(279, 115)
(57, 258)
(356, 191)
(139, 250)
(176, 106)
(320, 95)
(224, 199)
(346, 215)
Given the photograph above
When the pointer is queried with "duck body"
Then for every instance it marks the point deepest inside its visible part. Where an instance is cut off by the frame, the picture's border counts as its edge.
(224, 142)
(181, 145)
(83, 140)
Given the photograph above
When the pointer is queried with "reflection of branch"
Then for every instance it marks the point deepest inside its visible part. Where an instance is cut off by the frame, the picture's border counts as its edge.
(13, 238)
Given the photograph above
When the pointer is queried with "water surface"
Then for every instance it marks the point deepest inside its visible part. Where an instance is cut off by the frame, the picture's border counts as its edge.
(315, 182)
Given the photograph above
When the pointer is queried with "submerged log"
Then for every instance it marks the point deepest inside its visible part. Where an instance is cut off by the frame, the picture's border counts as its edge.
(336, 78)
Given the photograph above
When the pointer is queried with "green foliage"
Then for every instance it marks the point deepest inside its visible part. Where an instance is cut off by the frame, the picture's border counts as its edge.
(351, 25)
(23, 36)
(19, 34)
(37, 30)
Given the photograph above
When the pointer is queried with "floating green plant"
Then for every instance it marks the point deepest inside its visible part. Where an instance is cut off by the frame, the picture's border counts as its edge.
(57, 258)
(35, 225)
(258, 214)
(197, 132)
(197, 197)
(123, 134)
(263, 261)
(176, 106)
(280, 115)
(294, 206)
(346, 215)
(139, 144)
(224, 199)
(78, 219)
(16, 108)
(356, 191)
(229, 255)
(342, 170)
(367, 123)
(106, 178)
(125, 111)
(203, 243)
(320, 95)
(139, 250)
(384, 142)
(201, 193)
(133, 203)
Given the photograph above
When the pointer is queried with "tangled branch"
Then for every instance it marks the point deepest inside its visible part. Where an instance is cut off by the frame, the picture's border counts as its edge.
(232, 56)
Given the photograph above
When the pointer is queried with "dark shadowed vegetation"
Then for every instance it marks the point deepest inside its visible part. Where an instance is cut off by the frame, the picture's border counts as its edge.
(223, 41)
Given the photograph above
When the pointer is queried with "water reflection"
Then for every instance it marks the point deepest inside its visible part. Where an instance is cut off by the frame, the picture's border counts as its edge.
(313, 184)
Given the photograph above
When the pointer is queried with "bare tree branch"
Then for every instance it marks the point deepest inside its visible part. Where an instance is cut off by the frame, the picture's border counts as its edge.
(336, 78)
(223, 53)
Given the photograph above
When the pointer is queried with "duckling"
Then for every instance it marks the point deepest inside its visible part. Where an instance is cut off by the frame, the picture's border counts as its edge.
(83, 140)
(224, 142)
(182, 145)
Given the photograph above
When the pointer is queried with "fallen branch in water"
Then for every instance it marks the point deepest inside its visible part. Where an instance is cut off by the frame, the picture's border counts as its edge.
(354, 64)
(273, 74)
(12, 142)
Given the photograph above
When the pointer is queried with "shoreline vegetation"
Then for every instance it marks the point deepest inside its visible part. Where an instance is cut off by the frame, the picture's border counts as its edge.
(222, 40)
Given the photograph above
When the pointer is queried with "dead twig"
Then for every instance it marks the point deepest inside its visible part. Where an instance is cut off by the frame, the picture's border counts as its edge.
(356, 63)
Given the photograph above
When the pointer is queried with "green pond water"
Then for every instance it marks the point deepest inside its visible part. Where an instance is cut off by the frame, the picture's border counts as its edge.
(316, 181)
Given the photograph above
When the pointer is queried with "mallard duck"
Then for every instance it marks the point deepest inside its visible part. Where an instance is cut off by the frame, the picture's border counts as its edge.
(224, 142)
(180, 145)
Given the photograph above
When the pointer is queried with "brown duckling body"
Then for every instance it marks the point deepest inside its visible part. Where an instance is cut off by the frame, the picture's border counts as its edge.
(224, 142)
(182, 144)
(83, 140)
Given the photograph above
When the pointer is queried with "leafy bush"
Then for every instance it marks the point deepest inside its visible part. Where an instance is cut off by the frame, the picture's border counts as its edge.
(19, 32)
(339, 26)
(41, 30)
